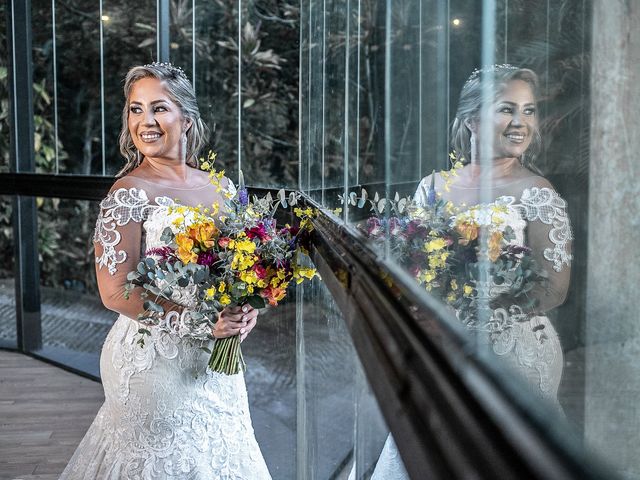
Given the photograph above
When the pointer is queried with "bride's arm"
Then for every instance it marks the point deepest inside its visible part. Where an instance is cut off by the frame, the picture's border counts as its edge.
(117, 242)
(549, 237)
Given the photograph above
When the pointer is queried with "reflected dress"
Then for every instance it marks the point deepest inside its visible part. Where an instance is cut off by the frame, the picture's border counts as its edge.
(165, 416)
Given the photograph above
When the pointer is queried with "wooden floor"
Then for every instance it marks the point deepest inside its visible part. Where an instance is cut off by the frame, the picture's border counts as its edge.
(44, 413)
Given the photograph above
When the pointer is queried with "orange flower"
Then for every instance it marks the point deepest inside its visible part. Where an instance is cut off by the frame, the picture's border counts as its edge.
(469, 232)
(185, 248)
(274, 294)
(494, 246)
(204, 234)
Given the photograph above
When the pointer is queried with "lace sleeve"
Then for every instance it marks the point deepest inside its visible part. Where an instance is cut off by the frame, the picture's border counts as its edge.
(545, 205)
(117, 210)
(549, 236)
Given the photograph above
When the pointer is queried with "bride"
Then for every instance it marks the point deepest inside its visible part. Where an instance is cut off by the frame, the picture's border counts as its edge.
(165, 415)
(526, 341)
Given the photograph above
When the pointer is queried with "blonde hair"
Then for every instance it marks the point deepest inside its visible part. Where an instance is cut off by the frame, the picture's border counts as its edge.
(471, 101)
(181, 93)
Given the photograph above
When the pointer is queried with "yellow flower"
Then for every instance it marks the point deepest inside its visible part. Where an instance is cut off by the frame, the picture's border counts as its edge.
(262, 283)
(429, 276)
(225, 299)
(468, 290)
(307, 212)
(250, 277)
(250, 288)
(211, 292)
(435, 244)
(451, 297)
(454, 285)
(245, 246)
(222, 286)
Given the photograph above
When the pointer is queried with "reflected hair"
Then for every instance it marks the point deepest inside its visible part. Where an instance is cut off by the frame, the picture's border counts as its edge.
(470, 104)
(181, 92)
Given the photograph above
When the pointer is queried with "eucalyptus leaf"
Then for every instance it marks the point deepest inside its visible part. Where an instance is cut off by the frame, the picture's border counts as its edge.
(153, 306)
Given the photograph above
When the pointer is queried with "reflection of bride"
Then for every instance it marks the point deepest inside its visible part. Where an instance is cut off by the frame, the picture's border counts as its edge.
(525, 341)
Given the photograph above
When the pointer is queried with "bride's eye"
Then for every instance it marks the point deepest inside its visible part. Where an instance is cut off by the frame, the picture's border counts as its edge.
(530, 111)
(505, 109)
(135, 109)
(160, 108)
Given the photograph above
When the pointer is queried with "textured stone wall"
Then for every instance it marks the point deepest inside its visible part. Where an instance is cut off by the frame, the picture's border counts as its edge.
(612, 403)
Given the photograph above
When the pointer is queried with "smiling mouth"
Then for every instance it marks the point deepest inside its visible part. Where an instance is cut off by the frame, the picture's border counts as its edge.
(515, 137)
(150, 136)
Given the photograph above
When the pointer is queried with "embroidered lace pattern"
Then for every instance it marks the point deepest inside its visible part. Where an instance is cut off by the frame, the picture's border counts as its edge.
(544, 204)
(119, 208)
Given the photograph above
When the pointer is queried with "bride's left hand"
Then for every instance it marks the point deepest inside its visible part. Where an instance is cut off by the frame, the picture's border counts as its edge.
(236, 321)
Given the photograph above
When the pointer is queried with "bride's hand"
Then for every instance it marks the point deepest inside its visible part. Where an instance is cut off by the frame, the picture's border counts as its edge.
(235, 321)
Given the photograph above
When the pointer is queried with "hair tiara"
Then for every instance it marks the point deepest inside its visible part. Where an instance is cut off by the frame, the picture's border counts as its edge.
(489, 69)
(172, 68)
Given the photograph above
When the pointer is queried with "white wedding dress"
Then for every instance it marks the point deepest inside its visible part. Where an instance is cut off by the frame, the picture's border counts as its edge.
(528, 344)
(165, 416)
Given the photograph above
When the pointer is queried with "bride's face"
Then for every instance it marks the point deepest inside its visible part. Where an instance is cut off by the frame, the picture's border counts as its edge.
(514, 120)
(156, 123)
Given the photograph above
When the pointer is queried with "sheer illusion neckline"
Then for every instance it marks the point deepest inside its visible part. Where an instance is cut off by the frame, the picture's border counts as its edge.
(198, 187)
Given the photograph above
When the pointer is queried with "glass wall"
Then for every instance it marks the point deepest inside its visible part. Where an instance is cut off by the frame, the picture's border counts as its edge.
(505, 103)
(253, 44)
(8, 334)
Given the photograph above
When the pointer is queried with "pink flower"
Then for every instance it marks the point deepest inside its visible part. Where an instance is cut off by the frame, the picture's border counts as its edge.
(261, 272)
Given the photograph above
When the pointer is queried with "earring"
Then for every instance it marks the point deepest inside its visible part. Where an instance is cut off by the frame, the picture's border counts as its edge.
(184, 146)
(137, 156)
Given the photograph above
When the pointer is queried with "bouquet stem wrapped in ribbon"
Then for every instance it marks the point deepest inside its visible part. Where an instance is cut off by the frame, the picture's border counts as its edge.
(225, 257)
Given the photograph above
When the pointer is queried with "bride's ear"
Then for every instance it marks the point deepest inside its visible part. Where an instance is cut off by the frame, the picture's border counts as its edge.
(187, 125)
(472, 125)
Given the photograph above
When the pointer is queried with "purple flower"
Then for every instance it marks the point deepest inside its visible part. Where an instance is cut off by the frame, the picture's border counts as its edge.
(162, 252)
(431, 197)
(207, 258)
(243, 197)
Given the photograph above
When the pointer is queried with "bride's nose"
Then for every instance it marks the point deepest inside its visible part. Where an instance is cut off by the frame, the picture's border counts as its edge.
(149, 118)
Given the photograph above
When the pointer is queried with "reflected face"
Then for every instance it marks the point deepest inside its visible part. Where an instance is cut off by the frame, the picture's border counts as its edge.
(155, 122)
(514, 120)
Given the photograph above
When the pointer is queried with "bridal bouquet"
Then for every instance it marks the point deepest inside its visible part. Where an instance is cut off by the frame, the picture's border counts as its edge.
(241, 257)
(439, 244)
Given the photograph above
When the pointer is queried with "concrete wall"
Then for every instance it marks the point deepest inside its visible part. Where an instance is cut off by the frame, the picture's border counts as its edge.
(612, 383)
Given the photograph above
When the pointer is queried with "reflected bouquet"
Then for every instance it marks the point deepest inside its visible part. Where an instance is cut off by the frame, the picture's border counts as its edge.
(440, 246)
(242, 256)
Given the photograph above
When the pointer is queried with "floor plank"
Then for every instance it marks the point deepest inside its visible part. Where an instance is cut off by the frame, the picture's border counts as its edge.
(44, 413)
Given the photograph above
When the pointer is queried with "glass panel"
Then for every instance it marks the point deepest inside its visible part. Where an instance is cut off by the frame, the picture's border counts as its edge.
(8, 336)
(216, 80)
(536, 154)
(270, 354)
(129, 38)
(81, 54)
(326, 370)
(270, 93)
(376, 454)
(5, 138)
(74, 321)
